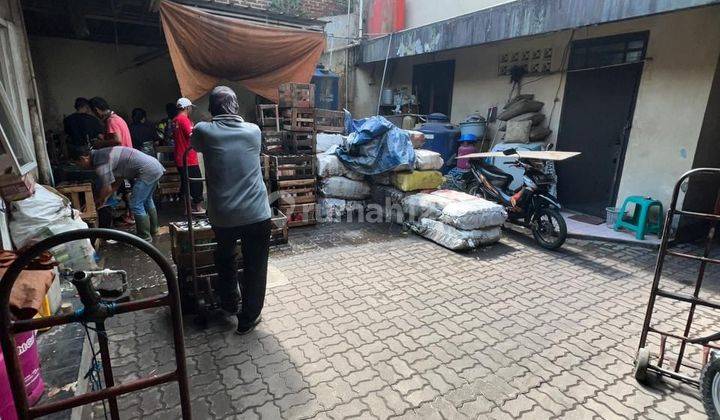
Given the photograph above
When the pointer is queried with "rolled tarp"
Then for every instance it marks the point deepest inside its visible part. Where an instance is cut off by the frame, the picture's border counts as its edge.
(207, 48)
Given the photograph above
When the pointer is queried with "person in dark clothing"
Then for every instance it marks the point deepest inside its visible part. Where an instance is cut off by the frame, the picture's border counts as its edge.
(143, 134)
(238, 205)
(81, 127)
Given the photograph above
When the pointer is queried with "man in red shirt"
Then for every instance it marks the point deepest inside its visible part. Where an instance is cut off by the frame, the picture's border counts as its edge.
(117, 132)
(183, 129)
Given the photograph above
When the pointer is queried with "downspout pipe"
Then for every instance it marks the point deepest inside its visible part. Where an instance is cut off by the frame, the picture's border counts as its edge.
(360, 21)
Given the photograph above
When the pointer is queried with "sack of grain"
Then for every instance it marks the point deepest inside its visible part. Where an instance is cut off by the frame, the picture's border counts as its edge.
(417, 180)
(522, 106)
(454, 239)
(473, 214)
(341, 187)
(427, 160)
(355, 176)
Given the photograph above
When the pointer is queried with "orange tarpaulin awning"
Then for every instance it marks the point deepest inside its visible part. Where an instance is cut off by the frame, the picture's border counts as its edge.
(207, 48)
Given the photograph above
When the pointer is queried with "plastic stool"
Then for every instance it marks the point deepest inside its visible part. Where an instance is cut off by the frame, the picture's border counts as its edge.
(639, 222)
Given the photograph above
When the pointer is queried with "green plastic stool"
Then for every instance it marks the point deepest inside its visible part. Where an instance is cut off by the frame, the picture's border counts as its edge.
(639, 222)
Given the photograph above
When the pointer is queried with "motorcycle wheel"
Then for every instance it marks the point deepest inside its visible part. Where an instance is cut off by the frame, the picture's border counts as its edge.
(549, 228)
(710, 389)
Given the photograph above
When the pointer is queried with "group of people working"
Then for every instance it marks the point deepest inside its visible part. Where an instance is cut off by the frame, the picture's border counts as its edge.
(239, 207)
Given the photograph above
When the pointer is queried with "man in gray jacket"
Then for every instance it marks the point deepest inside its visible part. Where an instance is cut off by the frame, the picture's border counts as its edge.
(238, 205)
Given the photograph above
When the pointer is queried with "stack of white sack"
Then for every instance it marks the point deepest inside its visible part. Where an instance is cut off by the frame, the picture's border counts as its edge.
(343, 191)
(455, 220)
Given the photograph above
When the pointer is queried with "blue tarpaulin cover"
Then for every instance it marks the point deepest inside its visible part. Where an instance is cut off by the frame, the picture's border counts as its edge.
(375, 146)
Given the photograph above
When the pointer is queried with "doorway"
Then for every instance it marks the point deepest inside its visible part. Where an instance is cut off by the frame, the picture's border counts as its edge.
(433, 86)
(600, 93)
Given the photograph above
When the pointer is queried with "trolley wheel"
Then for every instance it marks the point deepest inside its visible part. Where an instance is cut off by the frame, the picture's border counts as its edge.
(642, 361)
(710, 388)
(201, 319)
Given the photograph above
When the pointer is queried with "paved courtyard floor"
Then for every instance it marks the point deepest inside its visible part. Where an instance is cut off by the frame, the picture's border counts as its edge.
(366, 321)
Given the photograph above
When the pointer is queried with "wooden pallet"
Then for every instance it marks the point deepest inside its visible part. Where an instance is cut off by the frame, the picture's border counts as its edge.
(268, 116)
(296, 95)
(296, 191)
(300, 214)
(283, 168)
(81, 197)
(329, 121)
(299, 119)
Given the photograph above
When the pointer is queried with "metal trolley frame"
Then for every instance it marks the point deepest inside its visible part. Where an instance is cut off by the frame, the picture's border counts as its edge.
(96, 311)
(642, 362)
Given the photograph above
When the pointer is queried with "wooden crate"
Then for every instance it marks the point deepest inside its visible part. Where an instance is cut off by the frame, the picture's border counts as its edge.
(329, 121)
(274, 142)
(296, 95)
(265, 166)
(283, 168)
(268, 116)
(278, 228)
(81, 197)
(296, 191)
(300, 143)
(300, 214)
(299, 119)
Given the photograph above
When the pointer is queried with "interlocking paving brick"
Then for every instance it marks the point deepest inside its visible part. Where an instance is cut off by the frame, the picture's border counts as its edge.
(377, 324)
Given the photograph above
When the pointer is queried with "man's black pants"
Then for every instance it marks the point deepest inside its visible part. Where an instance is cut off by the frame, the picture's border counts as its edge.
(255, 247)
(196, 187)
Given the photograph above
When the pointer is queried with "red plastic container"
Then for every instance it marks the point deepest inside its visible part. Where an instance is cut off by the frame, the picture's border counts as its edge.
(30, 363)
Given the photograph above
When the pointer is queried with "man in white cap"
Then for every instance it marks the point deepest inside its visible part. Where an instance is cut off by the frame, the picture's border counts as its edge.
(183, 129)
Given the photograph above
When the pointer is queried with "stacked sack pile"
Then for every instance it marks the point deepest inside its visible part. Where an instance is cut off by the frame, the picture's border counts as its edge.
(453, 219)
(522, 122)
(343, 191)
(390, 188)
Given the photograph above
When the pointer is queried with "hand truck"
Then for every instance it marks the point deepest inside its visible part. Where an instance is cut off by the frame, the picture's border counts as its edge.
(709, 378)
(94, 310)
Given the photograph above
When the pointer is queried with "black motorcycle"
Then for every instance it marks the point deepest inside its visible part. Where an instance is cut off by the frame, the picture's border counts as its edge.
(531, 205)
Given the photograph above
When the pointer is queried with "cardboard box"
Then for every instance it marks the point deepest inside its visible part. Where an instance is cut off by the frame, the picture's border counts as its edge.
(15, 188)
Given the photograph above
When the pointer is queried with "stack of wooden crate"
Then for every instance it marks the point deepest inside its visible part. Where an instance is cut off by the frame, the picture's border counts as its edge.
(288, 130)
(169, 184)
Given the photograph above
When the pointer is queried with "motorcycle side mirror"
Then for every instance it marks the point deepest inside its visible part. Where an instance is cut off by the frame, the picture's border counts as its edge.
(511, 151)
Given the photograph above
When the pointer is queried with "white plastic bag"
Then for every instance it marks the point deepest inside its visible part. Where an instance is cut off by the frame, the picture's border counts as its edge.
(329, 165)
(341, 187)
(46, 214)
(455, 239)
(473, 214)
(427, 160)
(422, 205)
(324, 141)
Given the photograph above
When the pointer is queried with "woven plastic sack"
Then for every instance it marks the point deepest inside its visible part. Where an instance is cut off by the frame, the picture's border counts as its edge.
(355, 176)
(519, 107)
(329, 165)
(427, 160)
(417, 180)
(422, 205)
(385, 195)
(473, 214)
(454, 195)
(325, 141)
(341, 187)
(454, 239)
(382, 179)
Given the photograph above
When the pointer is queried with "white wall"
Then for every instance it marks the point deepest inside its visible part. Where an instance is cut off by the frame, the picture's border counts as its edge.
(683, 51)
(422, 12)
(68, 68)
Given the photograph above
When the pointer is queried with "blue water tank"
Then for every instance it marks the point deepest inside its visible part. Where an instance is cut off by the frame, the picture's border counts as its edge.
(327, 88)
(440, 136)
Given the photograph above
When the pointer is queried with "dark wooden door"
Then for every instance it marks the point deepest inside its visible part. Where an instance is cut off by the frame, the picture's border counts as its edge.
(433, 86)
(596, 120)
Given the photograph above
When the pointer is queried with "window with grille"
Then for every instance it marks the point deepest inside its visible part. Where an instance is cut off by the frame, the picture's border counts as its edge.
(608, 51)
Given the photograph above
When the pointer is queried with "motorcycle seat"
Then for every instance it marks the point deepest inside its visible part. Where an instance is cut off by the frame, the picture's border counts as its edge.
(496, 176)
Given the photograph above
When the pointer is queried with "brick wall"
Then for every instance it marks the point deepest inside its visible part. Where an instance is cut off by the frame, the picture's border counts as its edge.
(313, 8)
